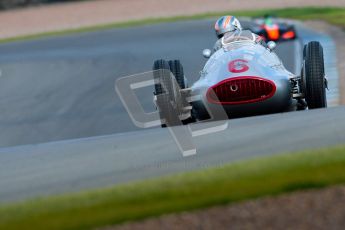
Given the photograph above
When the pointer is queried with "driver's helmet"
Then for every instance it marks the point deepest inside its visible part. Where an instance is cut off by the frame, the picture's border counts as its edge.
(227, 24)
(268, 20)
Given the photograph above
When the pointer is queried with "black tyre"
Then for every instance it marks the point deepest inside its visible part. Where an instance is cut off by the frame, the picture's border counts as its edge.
(166, 96)
(177, 69)
(159, 66)
(314, 76)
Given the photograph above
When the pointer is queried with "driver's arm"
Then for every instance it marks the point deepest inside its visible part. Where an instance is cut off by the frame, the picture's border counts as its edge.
(260, 40)
(217, 45)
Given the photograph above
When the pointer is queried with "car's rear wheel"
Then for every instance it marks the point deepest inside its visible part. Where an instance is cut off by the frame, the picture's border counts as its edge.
(314, 76)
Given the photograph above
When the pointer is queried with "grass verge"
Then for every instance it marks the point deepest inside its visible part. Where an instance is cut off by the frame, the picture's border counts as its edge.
(334, 16)
(194, 190)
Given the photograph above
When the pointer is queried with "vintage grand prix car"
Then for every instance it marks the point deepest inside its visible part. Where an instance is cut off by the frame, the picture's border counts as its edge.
(245, 78)
(271, 29)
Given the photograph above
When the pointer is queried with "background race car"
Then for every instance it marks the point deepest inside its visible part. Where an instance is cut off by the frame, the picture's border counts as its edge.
(272, 29)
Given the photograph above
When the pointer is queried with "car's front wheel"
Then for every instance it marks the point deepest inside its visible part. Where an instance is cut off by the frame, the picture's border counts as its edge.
(314, 76)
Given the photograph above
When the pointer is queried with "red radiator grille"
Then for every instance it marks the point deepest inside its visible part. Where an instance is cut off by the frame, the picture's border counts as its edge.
(241, 90)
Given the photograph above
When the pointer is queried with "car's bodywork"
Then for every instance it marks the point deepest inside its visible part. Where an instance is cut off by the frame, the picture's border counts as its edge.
(245, 77)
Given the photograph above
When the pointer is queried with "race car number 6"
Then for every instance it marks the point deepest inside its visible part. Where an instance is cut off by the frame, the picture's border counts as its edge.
(238, 66)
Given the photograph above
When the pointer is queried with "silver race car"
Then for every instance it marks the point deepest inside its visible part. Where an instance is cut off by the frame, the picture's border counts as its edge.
(244, 78)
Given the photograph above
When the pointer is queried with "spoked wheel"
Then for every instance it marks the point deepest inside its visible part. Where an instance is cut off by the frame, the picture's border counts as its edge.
(314, 83)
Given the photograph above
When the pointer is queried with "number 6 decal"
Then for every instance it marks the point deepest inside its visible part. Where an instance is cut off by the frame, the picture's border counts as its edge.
(238, 66)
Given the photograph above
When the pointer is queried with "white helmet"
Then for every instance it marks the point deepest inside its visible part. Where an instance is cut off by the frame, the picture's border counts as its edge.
(226, 24)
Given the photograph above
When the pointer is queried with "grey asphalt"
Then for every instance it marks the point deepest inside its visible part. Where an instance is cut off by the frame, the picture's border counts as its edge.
(68, 166)
(63, 88)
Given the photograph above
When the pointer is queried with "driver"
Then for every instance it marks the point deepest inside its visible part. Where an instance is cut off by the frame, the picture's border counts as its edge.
(231, 27)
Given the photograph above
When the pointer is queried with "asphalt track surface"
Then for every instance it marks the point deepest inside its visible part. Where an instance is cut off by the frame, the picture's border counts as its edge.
(74, 165)
(63, 88)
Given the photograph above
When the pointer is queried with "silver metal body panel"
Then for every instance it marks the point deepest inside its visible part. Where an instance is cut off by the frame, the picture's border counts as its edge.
(261, 62)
